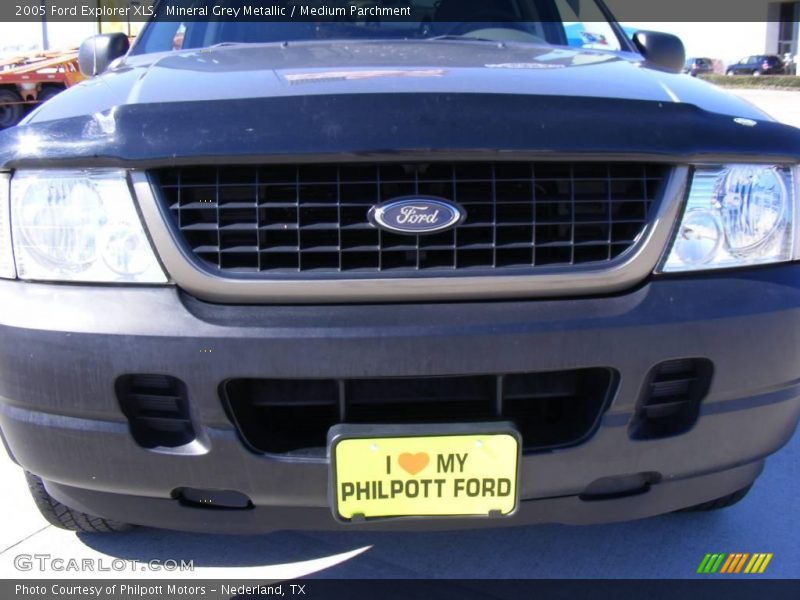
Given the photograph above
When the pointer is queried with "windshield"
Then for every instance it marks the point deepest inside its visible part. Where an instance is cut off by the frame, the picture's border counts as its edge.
(576, 23)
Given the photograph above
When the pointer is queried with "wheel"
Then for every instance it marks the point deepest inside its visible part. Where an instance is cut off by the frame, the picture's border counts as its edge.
(48, 92)
(757, 73)
(719, 503)
(729, 73)
(11, 111)
(66, 518)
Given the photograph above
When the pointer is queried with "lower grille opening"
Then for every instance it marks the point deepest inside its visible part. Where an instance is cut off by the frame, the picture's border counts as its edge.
(157, 409)
(670, 402)
(423, 400)
(279, 415)
(292, 416)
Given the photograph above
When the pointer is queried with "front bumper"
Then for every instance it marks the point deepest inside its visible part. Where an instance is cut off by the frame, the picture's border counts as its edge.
(64, 347)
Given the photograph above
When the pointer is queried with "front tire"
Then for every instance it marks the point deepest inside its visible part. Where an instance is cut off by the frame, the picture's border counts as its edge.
(719, 503)
(64, 517)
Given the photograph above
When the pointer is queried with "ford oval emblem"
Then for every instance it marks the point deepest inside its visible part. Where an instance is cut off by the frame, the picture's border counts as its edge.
(416, 215)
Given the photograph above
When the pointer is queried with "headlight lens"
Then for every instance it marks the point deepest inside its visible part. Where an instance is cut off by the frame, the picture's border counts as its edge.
(735, 216)
(79, 226)
(7, 269)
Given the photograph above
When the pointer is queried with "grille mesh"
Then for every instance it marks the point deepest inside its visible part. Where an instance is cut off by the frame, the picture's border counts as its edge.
(284, 219)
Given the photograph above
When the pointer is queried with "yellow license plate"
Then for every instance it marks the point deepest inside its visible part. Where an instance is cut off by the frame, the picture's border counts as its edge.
(449, 475)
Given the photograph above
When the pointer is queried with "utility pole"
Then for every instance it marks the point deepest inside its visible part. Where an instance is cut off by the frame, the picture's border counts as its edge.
(45, 41)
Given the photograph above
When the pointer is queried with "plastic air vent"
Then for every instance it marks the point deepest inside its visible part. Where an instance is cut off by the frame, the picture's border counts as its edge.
(157, 409)
(670, 402)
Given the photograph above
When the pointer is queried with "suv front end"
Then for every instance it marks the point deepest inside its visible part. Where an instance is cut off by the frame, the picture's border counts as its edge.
(204, 299)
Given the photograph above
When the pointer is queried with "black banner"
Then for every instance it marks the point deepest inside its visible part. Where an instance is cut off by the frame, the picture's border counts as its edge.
(479, 589)
(17, 11)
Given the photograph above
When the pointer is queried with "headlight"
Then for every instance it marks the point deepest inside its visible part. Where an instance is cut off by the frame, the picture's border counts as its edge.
(7, 269)
(735, 216)
(79, 226)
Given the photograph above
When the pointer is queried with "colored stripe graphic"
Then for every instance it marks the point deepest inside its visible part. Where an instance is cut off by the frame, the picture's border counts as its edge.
(760, 563)
(765, 563)
(712, 558)
(728, 563)
(741, 563)
(703, 563)
(751, 564)
(734, 563)
(718, 563)
(711, 563)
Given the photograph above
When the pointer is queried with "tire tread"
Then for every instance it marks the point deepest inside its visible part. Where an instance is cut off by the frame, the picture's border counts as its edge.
(62, 516)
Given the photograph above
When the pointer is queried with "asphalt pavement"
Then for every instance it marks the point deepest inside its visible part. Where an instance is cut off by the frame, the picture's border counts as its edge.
(767, 520)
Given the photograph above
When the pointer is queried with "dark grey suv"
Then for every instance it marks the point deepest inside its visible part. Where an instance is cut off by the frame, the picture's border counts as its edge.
(698, 66)
(757, 65)
(372, 272)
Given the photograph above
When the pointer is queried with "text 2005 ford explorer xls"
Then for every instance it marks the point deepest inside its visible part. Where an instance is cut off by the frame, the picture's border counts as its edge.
(482, 268)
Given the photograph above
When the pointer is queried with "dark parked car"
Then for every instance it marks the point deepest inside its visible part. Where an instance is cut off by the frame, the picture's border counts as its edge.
(696, 66)
(331, 274)
(762, 64)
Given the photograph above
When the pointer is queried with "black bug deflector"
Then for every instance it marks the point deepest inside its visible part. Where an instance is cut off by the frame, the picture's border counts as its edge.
(359, 126)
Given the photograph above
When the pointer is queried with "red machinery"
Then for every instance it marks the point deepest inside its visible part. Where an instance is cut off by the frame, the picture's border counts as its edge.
(30, 79)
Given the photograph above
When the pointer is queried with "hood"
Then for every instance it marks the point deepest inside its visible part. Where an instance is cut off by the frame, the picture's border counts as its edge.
(314, 68)
(368, 101)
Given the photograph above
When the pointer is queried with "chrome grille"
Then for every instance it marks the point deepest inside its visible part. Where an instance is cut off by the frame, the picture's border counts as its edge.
(312, 219)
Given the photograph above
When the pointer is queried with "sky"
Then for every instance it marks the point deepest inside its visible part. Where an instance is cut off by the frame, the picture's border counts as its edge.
(28, 36)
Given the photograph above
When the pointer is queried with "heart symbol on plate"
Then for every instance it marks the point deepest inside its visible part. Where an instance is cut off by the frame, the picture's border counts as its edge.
(413, 463)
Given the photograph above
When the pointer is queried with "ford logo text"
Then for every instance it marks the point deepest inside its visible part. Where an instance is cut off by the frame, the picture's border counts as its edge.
(416, 215)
